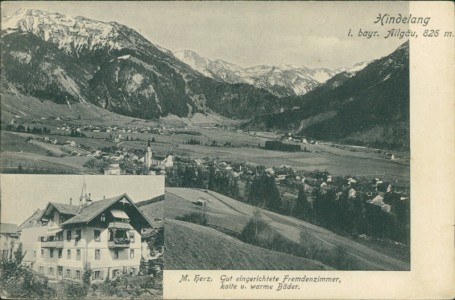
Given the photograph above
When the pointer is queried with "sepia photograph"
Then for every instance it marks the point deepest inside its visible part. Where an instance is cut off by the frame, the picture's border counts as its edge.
(142, 138)
(81, 236)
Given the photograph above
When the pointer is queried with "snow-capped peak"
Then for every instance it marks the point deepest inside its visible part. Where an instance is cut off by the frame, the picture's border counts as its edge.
(281, 80)
(75, 34)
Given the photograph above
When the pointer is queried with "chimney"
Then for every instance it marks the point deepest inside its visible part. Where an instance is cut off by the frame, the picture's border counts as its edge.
(71, 201)
(88, 201)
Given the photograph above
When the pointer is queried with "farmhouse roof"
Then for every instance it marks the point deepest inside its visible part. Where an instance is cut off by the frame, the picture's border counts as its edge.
(30, 221)
(89, 212)
(63, 208)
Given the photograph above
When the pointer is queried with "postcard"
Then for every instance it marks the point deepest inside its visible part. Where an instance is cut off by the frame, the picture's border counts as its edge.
(227, 150)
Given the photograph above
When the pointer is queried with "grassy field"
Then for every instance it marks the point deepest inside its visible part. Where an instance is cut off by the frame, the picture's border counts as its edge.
(341, 164)
(233, 215)
(11, 161)
(193, 247)
(21, 107)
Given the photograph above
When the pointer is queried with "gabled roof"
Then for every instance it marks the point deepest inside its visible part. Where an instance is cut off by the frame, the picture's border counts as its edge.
(65, 209)
(30, 221)
(89, 212)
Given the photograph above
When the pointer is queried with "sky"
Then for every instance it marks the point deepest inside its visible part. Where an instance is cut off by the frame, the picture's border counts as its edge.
(22, 194)
(313, 34)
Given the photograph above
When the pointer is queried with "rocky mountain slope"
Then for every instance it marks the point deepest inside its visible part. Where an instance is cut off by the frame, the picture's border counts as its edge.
(281, 80)
(74, 59)
(369, 107)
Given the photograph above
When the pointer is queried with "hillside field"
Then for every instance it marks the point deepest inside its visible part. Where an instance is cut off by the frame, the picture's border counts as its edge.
(228, 215)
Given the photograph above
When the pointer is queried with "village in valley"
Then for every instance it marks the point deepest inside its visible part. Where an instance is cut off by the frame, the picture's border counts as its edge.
(360, 193)
(224, 158)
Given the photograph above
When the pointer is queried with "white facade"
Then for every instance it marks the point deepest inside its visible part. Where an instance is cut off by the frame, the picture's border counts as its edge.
(148, 157)
(68, 258)
(69, 239)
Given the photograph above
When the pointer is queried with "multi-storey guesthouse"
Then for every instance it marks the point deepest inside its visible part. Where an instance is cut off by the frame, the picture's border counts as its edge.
(103, 236)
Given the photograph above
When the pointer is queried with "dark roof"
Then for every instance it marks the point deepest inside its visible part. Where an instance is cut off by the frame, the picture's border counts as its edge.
(66, 209)
(7, 228)
(91, 211)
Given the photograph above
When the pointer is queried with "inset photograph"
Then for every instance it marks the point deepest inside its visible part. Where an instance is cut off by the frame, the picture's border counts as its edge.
(81, 236)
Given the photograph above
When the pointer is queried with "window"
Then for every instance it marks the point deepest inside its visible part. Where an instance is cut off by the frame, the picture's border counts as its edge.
(131, 236)
(78, 254)
(97, 235)
(51, 253)
(68, 235)
(60, 252)
(78, 274)
(61, 219)
(115, 254)
(97, 254)
(78, 235)
(132, 253)
(98, 275)
(59, 236)
(42, 253)
(103, 218)
(68, 254)
(111, 235)
(51, 271)
(41, 269)
(68, 273)
(34, 253)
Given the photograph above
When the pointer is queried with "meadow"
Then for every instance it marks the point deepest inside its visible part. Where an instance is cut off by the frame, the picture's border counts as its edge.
(230, 217)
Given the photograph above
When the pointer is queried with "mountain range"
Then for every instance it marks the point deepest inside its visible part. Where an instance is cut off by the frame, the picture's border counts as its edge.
(280, 80)
(74, 59)
(65, 59)
(370, 107)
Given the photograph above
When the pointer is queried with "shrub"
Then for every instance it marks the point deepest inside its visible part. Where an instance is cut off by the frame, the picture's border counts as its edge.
(18, 281)
(253, 229)
(76, 290)
(199, 218)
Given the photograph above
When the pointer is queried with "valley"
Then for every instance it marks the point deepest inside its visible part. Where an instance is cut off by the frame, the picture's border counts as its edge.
(267, 167)
(231, 144)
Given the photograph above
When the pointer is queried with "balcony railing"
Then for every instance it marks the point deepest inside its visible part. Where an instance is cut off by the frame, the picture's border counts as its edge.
(52, 244)
(119, 225)
(119, 243)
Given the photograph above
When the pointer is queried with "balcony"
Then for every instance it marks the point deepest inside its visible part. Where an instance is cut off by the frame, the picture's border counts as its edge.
(119, 243)
(119, 225)
(52, 244)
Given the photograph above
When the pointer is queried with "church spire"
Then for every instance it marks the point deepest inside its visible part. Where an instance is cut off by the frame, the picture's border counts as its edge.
(84, 197)
(148, 156)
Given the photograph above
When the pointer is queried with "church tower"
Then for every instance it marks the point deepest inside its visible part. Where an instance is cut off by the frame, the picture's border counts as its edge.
(84, 199)
(148, 156)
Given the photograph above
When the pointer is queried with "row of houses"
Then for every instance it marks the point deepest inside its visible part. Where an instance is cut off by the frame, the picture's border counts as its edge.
(108, 129)
(150, 161)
